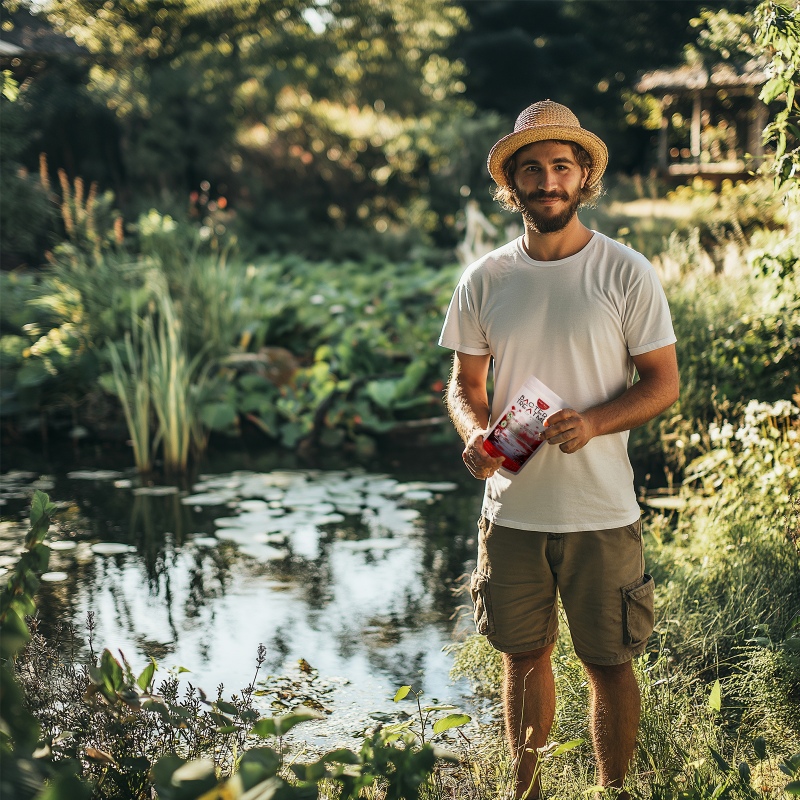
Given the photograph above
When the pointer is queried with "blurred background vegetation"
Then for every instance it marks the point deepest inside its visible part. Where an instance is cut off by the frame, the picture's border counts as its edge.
(290, 121)
(249, 212)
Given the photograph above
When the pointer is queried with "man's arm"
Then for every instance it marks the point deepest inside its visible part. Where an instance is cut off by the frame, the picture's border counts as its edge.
(468, 406)
(656, 390)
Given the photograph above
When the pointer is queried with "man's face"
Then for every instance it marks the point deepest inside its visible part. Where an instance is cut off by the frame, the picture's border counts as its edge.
(547, 181)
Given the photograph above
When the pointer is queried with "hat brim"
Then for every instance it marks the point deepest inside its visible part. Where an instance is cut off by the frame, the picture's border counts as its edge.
(509, 145)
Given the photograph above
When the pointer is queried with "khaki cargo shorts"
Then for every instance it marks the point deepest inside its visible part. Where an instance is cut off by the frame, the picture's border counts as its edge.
(606, 594)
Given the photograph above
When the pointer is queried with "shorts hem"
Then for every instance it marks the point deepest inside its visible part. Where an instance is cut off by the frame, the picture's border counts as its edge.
(523, 648)
(612, 661)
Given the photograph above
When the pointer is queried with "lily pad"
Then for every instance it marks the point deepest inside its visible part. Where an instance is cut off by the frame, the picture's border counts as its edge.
(111, 548)
(54, 577)
(207, 499)
(63, 544)
(205, 541)
(156, 491)
(94, 475)
(418, 494)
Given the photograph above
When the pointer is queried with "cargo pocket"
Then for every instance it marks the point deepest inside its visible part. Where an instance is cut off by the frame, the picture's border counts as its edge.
(638, 618)
(479, 589)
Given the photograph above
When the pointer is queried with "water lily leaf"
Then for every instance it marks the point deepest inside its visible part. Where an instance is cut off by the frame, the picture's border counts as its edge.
(450, 721)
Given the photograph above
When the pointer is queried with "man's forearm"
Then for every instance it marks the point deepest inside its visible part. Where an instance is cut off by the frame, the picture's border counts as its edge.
(639, 404)
(468, 407)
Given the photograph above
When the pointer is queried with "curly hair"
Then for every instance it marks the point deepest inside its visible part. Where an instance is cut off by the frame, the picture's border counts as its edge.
(506, 194)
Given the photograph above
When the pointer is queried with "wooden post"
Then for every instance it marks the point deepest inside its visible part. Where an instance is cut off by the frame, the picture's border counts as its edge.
(696, 115)
(662, 140)
(759, 114)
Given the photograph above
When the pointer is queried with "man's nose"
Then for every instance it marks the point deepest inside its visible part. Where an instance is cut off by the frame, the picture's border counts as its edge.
(547, 179)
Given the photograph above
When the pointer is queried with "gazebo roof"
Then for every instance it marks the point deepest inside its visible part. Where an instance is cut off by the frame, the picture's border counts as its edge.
(693, 77)
(30, 35)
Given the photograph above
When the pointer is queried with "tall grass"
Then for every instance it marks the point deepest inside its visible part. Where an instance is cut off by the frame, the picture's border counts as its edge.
(176, 381)
(132, 386)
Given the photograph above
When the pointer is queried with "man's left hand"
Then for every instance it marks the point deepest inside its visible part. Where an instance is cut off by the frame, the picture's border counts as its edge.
(569, 429)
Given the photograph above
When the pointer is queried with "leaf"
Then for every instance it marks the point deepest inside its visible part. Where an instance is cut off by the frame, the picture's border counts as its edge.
(760, 747)
(341, 756)
(111, 671)
(721, 762)
(793, 787)
(402, 693)
(146, 677)
(279, 726)
(258, 764)
(715, 698)
(227, 708)
(566, 747)
(218, 416)
(450, 721)
(99, 755)
(744, 772)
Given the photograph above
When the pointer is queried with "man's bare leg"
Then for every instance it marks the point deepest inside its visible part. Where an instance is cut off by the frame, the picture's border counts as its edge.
(530, 704)
(614, 709)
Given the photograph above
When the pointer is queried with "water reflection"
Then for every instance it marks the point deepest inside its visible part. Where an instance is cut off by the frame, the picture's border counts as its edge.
(351, 570)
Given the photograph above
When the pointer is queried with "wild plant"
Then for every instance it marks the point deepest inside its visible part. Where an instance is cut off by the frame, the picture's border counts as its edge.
(130, 381)
(175, 382)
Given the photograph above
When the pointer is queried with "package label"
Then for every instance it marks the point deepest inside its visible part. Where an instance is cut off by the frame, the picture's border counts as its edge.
(519, 432)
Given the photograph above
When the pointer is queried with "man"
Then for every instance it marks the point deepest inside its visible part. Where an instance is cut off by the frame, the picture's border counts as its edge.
(582, 313)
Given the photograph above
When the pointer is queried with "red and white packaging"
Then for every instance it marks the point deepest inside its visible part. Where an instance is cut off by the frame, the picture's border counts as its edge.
(519, 432)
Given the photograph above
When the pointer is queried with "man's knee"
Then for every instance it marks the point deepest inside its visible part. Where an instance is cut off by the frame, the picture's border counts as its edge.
(609, 673)
(530, 658)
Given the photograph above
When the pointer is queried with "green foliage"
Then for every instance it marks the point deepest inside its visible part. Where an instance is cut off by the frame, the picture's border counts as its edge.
(779, 34)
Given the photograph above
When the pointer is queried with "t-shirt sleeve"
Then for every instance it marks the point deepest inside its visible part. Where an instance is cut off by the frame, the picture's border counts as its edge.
(647, 324)
(462, 330)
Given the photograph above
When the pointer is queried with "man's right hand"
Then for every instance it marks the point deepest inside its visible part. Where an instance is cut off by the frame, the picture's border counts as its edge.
(480, 464)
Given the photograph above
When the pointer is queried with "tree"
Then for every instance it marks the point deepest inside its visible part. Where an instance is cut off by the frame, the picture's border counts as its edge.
(583, 53)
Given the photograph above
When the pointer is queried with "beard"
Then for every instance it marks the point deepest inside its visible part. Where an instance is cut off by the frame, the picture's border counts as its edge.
(544, 222)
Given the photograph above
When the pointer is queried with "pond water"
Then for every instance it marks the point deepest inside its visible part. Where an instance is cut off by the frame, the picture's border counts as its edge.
(351, 568)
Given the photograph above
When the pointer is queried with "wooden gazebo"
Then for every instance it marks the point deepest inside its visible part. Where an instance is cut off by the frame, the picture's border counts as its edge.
(711, 118)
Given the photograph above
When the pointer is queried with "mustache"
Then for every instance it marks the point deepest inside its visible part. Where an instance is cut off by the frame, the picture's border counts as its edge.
(547, 196)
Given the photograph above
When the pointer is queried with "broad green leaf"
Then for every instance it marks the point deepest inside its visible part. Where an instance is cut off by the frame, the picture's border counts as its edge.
(146, 677)
(227, 708)
(760, 747)
(111, 670)
(450, 721)
(715, 698)
(341, 756)
(402, 693)
(279, 726)
(744, 772)
(566, 747)
(258, 764)
(793, 787)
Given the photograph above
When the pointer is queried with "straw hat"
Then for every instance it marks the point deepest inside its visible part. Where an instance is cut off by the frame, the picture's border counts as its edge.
(547, 120)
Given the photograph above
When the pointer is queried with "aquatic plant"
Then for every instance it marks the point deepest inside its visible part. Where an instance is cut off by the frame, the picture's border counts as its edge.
(130, 381)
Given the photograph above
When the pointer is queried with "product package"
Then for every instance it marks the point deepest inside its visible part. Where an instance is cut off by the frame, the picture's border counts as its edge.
(519, 433)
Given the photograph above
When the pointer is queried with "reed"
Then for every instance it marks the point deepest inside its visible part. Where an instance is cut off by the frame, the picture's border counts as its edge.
(176, 382)
(131, 384)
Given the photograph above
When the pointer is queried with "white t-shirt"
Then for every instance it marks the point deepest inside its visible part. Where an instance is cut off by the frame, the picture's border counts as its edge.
(574, 323)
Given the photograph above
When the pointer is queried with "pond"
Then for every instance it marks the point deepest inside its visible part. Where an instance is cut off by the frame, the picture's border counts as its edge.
(346, 573)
